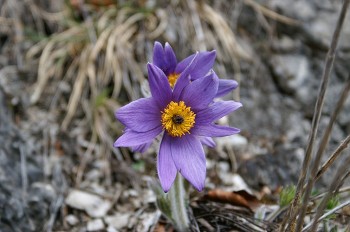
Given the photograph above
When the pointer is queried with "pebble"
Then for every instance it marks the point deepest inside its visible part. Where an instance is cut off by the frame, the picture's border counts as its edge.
(95, 225)
(236, 141)
(72, 219)
(93, 205)
(118, 220)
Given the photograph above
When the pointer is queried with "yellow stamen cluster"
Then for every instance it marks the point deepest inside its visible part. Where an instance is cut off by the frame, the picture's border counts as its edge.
(172, 78)
(178, 119)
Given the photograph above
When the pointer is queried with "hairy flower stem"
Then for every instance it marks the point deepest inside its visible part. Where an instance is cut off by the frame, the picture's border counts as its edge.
(177, 196)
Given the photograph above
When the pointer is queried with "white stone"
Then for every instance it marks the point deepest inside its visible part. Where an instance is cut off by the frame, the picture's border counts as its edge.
(236, 141)
(95, 225)
(72, 220)
(94, 205)
(118, 220)
(111, 229)
(147, 220)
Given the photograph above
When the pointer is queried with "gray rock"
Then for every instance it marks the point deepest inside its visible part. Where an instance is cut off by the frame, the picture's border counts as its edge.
(273, 170)
(291, 71)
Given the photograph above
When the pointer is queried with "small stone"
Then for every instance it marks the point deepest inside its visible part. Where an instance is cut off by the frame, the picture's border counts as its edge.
(236, 141)
(95, 225)
(118, 220)
(94, 205)
(147, 220)
(72, 219)
(111, 229)
(291, 71)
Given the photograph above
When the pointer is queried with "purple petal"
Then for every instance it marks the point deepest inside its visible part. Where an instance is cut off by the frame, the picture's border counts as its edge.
(212, 130)
(132, 138)
(226, 86)
(207, 141)
(204, 63)
(184, 63)
(159, 85)
(141, 148)
(199, 93)
(159, 55)
(170, 59)
(184, 79)
(165, 165)
(140, 115)
(216, 111)
(189, 158)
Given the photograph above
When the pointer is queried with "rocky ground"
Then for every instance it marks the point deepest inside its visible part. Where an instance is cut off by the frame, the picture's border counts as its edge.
(69, 178)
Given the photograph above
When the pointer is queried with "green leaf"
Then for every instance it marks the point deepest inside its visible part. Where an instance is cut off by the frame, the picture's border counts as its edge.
(287, 195)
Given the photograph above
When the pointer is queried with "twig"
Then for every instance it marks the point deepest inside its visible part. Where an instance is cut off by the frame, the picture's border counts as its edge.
(316, 118)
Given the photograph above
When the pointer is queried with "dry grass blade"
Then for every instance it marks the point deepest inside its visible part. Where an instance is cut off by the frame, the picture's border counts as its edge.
(335, 184)
(323, 144)
(330, 212)
(197, 24)
(271, 14)
(315, 121)
(157, 31)
(18, 28)
(231, 48)
(78, 88)
(48, 61)
(224, 32)
(334, 156)
(341, 190)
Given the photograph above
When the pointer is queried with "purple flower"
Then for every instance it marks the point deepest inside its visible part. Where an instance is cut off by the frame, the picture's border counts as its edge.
(185, 115)
(196, 66)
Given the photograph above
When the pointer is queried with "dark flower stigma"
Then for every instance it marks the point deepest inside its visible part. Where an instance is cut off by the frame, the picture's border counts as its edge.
(177, 119)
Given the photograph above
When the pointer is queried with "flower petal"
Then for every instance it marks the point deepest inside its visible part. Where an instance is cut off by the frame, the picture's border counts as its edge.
(204, 63)
(225, 86)
(199, 93)
(140, 115)
(207, 141)
(165, 165)
(141, 148)
(216, 111)
(170, 59)
(184, 79)
(189, 158)
(184, 63)
(212, 130)
(132, 138)
(158, 55)
(159, 86)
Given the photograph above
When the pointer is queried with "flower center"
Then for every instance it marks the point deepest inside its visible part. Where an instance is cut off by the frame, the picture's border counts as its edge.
(177, 118)
(172, 78)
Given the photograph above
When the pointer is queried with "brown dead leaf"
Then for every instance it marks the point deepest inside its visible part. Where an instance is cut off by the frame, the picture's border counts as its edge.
(160, 227)
(238, 198)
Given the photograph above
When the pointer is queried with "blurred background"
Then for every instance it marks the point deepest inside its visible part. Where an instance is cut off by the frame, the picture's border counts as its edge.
(67, 66)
